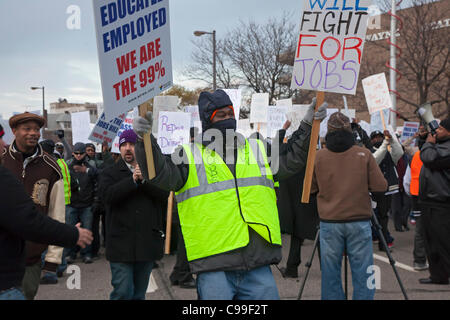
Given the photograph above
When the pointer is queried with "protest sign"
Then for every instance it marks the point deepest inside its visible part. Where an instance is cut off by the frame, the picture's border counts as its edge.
(243, 127)
(376, 122)
(195, 117)
(80, 127)
(276, 117)
(173, 130)
(8, 138)
(235, 97)
(134, 51)
(127, 124)
(285, 103)
(258, 108)
(163, 103)
(409, 129)
(295, 116)
(330, 45)
(377, 93)
(106, 131)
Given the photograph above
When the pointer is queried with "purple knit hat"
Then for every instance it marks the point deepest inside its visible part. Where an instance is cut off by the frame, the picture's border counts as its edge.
(127, 136)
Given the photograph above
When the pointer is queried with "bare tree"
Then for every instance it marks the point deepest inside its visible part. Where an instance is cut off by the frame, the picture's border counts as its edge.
(248, 56)
(424, 59)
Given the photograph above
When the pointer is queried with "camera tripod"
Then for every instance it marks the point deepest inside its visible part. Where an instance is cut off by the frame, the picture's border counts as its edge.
(378, 229)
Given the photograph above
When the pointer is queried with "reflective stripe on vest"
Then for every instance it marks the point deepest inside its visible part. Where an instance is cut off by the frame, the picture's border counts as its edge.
(216, 208)
(66, 178)
(416, 166)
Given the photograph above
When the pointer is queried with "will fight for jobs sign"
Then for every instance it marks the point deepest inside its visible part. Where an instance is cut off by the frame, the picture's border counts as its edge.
(330, 45)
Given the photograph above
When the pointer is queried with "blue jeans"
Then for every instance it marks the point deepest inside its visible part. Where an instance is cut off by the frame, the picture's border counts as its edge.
(12, 294)
(356, 238)
(130, 280)
(73, 216)
(256, 284)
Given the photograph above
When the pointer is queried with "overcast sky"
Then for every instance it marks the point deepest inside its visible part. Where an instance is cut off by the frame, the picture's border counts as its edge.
(37, 48)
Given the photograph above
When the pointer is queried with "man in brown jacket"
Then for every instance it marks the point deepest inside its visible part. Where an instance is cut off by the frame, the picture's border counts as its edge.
(344, 174)
(42, 179)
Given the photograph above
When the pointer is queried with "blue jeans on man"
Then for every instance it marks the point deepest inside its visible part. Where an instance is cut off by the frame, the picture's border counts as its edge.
(255, 284)
(73, 216)
(130, 280)
(12, 294)
(356, 239)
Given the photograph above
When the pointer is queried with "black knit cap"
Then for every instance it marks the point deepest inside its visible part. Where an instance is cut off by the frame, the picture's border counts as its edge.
(445, 124)
(209, 102)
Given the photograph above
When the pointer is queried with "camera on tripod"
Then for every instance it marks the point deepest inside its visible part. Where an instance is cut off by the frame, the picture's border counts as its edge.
(426, 114)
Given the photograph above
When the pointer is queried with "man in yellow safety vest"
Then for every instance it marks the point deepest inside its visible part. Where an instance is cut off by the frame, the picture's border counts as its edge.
(224, 187)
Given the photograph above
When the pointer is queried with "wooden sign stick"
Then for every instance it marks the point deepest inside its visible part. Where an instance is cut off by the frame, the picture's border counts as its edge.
(143, 109)
(169, 223)
(384, 126)
(320, 98)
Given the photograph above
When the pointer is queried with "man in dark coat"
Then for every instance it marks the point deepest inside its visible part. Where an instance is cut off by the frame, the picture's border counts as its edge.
(21, 220)
(434, 197)
(134, 213)
(298, 219)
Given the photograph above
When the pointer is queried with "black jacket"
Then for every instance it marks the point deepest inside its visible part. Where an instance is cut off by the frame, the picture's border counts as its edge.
(171, 176)
(82, 185)
(134, 214)
(20, 220)
(434, 180)
(296, 218)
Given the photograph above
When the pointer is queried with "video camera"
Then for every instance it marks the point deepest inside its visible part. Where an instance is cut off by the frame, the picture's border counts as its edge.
(59, 133)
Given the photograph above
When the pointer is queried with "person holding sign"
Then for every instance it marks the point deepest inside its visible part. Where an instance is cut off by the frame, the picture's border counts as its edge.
(387, 151)
(134, 215)
(224, 187)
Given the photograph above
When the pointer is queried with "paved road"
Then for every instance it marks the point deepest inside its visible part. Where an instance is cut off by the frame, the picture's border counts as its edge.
(96, 278)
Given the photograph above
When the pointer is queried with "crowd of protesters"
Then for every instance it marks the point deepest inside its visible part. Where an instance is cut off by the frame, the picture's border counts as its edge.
(234, 197)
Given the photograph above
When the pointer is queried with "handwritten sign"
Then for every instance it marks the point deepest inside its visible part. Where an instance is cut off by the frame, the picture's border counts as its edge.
(295, 116)
(106, 131)
(409, 130)
(276, 117)
(235, 97)
(80, 126)
(173, 130)
(133, 44)
(375, 121)
(377, 93)
(163, 103)
(330, 45)
(258, 108)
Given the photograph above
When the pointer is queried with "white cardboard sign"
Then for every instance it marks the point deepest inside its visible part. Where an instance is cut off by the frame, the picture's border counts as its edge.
(235, 97)
(330, 45)
(173, 130)
(80, 127)
(258, 108)
(276, 119)
(377, 93)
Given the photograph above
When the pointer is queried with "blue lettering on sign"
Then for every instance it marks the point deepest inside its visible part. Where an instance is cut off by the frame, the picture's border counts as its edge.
(122, 34)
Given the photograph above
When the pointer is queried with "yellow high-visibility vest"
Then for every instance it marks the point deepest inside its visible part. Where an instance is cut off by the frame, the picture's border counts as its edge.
(216, 208)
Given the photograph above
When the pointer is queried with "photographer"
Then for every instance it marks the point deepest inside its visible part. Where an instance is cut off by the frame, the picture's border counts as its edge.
(434, 197)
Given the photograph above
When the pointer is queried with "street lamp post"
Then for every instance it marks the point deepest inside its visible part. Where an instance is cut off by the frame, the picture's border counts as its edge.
(43, 99)
(199, 34)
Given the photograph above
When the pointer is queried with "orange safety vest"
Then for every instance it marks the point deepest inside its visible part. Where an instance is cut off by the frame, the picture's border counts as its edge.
(416, 165)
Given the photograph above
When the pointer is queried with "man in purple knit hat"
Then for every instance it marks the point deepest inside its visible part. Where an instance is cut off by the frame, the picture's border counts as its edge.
(134, 215)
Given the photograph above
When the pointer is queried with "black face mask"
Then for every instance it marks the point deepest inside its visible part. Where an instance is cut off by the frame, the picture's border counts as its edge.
(378, 144)
(223, 125)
